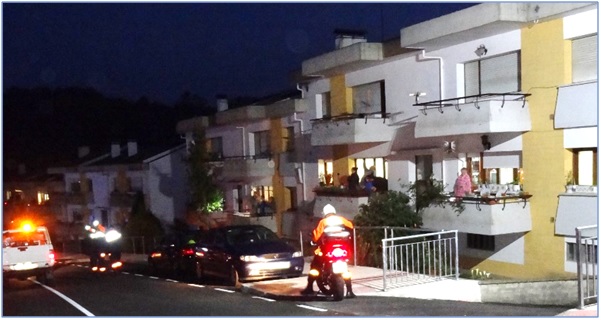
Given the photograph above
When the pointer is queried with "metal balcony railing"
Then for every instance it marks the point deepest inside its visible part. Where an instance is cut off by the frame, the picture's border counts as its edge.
(352, 116)
(473, 99)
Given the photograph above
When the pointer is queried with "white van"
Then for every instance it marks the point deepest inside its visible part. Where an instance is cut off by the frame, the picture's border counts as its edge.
(27, 252)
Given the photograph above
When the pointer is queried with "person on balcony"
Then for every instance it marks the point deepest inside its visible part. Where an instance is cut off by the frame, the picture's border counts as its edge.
(463, 184)
(353, 181)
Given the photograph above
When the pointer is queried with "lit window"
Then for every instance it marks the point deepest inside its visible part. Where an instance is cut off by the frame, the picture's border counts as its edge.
(381, 165)
(325, 170)
(585, 166)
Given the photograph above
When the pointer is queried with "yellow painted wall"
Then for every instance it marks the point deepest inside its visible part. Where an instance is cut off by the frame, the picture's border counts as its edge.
(546, 63)
(341, 97)
(277, 181)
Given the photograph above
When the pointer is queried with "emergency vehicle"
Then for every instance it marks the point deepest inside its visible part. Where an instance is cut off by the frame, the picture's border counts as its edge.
(28, 251)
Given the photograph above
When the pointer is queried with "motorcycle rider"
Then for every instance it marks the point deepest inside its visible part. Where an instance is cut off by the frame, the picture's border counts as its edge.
(329, 218)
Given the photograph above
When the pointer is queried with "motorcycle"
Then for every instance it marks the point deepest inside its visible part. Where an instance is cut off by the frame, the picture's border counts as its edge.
(106, 251)
(106, 261)
(335, 254)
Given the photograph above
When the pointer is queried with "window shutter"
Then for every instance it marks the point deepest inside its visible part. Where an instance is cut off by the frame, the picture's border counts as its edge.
(500, 74)
(584, 59)
(472, 81)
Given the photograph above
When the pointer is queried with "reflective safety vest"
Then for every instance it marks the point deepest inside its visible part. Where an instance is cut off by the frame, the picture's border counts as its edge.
(330, 220)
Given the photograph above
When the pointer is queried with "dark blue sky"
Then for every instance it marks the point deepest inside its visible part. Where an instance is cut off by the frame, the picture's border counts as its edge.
(160, 50)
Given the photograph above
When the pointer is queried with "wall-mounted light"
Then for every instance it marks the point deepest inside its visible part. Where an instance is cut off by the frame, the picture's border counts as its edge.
(417, 95)
(485, 142)
(481, 51)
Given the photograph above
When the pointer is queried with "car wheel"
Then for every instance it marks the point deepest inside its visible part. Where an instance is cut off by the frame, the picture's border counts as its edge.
(152, 268)
(199, 272)
(47, 278)
(234, 278)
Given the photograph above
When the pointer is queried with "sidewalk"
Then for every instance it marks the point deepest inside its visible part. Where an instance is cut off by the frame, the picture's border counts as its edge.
(366, 282)
(369, 282)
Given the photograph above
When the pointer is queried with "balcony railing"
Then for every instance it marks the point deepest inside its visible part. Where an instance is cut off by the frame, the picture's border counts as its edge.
(352, 128)
(482, 215)
(485, 113)
(242, 167)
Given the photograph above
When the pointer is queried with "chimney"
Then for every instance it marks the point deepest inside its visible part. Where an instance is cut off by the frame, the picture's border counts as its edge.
(115, 150)
(83, 151)
(346, 37)
(132, 148)
(221, 102)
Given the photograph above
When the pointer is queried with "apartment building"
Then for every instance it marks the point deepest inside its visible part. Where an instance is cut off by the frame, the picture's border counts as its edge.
(493, 88)
(506, 90)
(101, 185)
(257, 154)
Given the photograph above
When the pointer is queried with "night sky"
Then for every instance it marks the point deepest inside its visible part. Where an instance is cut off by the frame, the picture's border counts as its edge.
(160, 50)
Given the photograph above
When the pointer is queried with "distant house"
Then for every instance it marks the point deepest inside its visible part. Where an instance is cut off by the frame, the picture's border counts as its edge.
(102, 186)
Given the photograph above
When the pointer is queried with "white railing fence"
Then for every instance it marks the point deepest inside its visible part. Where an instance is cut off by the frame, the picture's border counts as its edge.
(586, 264)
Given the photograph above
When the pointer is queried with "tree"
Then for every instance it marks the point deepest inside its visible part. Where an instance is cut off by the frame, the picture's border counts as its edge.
(205, 196)
(392, 209)
(142, 223)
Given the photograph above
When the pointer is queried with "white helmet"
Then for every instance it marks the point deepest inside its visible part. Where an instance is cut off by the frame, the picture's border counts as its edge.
(328, 208)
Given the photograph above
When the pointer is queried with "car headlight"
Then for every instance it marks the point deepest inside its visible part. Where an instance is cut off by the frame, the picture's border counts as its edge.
(297, 254)
(250, 258)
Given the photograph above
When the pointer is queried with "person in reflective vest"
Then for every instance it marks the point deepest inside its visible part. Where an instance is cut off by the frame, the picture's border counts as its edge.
(329, 218)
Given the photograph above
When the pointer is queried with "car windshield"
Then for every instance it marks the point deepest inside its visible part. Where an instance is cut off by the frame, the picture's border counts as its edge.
(246, 236)
(19, 239)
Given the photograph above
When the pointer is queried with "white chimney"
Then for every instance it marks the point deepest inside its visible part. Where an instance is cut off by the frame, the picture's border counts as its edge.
(132, 148)
(115, 150)
(221, 103)
(83, 151)
(345, 38)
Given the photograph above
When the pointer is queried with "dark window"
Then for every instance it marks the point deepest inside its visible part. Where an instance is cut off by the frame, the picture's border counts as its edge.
(481, 242)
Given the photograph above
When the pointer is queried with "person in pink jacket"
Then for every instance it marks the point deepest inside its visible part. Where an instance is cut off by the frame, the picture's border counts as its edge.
(463, 184)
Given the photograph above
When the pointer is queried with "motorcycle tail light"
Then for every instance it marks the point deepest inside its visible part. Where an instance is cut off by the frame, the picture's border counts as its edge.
(187, 252)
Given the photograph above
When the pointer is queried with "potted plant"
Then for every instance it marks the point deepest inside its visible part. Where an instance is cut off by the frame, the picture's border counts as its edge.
(570, 182)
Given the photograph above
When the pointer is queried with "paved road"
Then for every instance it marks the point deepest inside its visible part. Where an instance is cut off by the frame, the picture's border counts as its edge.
(139, 294)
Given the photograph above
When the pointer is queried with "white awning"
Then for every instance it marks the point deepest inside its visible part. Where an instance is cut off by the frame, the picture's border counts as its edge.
(576, 106)
(501, 160)
(575, 210)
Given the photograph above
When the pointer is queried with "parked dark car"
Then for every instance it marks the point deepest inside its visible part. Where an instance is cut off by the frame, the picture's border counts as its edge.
(174, 256)
(244, 253)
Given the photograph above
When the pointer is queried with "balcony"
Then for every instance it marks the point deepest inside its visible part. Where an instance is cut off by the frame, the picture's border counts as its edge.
(343, 60)
(243, 168)
(577, 207)
(352, 128)
(488, 113)
(347, 204)
(577, 106)
(486, 216)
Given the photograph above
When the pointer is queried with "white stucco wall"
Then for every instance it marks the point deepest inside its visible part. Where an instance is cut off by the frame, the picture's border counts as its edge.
(165, 184)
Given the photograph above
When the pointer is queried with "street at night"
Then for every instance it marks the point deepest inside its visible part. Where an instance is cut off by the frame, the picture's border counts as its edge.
(134, 293)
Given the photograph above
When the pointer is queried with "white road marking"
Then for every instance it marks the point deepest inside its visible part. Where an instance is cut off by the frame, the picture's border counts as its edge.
(138, 275)
(224, 290)
(64, 297)
(171, 280)
(263, 298)
(311, 308)
(195, 285)
(156, 278)
(124, 272)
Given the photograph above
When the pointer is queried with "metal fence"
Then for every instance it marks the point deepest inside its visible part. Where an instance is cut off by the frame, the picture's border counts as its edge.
(586, 265)
(420, 258)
